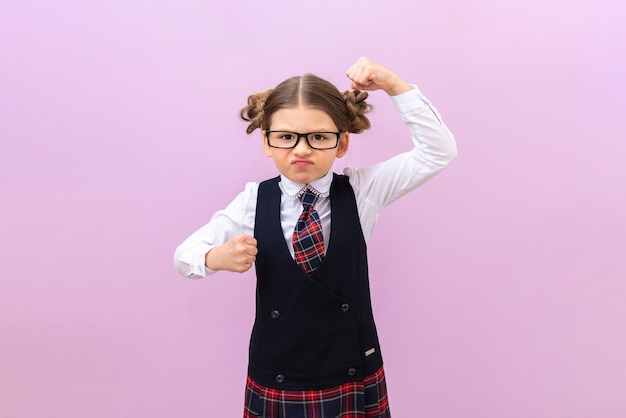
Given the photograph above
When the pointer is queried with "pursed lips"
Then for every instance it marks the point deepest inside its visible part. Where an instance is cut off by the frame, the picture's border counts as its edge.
(301, 162)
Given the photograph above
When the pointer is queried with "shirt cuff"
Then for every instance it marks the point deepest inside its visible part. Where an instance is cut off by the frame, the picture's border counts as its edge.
(411, 101)
(197, 268)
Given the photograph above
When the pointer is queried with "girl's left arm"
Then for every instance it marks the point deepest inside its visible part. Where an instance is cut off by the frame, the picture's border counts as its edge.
(434, 146)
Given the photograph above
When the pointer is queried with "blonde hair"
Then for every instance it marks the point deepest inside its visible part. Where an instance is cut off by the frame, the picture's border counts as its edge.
(347, 109)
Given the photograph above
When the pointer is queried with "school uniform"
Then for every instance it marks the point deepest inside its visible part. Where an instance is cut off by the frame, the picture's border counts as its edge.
(314, 349)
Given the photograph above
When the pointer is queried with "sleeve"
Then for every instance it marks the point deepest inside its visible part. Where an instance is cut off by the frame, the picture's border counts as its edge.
(434, 147)
(237, 218)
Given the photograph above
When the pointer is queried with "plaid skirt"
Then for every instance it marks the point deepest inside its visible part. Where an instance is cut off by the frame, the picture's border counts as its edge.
(363, 399)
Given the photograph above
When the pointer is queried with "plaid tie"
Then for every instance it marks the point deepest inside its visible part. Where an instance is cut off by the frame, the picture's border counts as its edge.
(308, 241)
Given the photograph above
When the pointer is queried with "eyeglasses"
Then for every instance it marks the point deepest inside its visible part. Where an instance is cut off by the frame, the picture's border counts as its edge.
(315, 140)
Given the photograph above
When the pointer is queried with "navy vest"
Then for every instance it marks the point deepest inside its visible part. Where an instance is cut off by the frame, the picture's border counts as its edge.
(312, 332)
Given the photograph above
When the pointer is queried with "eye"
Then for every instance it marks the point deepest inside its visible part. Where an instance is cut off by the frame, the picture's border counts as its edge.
(320, 136)
(286, 136)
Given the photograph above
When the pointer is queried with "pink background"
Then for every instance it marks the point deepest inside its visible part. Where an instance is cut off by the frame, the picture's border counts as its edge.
(120, 136)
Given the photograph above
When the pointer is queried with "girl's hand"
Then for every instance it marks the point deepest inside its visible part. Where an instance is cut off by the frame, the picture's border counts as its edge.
(236, 255)
(367, 75)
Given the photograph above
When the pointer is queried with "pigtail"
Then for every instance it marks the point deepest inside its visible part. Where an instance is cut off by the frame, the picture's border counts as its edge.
(357, 108)
(253, 112)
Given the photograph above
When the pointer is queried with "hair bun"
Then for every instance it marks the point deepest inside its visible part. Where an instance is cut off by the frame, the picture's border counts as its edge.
(253, 112)
(360, 96)
(357, 108)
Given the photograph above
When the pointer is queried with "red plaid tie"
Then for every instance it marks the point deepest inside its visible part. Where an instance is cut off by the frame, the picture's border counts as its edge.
(308, 241)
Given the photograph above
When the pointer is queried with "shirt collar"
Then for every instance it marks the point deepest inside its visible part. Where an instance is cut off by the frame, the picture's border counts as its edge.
(292, 189)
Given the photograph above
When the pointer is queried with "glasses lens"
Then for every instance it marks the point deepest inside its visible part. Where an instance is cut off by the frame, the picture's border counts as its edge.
(322, 140)
(280, 139)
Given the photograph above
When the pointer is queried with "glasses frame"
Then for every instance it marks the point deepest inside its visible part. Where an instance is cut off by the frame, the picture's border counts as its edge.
(302, 135)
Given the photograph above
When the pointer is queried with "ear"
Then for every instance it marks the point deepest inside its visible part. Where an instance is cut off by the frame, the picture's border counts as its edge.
(344, 142)
(268, 149)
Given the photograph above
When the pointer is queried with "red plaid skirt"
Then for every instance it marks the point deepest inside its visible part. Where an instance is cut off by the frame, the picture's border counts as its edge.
(366, 399)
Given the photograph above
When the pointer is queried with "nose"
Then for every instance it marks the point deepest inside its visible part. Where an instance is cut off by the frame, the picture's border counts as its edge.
(302, 146)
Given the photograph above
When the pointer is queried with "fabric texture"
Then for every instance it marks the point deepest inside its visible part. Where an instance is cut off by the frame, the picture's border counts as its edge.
(308, 241)
(357, 399)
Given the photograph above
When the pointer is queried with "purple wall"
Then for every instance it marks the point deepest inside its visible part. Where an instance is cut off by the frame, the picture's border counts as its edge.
(120, 136)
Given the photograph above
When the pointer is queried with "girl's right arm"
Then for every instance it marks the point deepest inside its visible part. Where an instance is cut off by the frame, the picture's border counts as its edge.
(225, 243)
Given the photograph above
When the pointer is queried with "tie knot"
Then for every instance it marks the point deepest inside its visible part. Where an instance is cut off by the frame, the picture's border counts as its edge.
(308, 198)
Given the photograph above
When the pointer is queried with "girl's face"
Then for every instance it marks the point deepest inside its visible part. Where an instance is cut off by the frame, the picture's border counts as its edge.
(304, 164)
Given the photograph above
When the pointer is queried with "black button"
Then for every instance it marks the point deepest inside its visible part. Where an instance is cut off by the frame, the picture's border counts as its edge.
(351, 371)
(275, 314)
(345, 308)
(281, 379)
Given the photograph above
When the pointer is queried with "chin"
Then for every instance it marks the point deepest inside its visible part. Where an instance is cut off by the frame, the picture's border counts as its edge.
(302, 178)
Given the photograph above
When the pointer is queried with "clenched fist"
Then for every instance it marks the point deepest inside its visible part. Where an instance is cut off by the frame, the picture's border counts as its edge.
(236, 255)
(367, 75)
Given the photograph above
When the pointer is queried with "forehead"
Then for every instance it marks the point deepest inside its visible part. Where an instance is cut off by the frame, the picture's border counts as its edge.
(302, 119)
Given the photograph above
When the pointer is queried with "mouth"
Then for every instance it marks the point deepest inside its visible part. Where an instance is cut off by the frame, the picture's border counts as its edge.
(301, 162)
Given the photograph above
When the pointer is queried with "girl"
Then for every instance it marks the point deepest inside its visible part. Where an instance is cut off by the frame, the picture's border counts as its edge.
(314, 350)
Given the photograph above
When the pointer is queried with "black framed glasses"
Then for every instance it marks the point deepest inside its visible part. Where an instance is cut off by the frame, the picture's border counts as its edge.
(315, 140)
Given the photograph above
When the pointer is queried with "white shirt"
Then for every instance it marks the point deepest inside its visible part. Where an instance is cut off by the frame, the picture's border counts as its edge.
(375, 187)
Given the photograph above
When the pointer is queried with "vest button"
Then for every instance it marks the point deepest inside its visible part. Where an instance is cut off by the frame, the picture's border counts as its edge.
(280, 378)
(275, 314)
(345, 308)
(351, 371)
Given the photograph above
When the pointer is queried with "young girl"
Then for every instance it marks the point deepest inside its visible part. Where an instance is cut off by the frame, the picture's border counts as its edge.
(314, 350)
